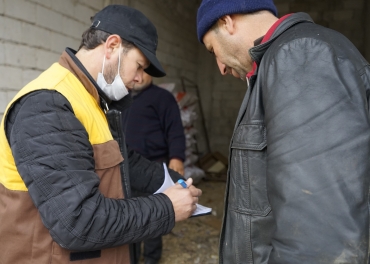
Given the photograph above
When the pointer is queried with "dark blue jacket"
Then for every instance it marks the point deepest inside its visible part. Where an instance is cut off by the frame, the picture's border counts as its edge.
(153, 125)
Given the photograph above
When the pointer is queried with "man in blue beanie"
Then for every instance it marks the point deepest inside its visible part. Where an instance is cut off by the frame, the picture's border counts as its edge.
(298, 184)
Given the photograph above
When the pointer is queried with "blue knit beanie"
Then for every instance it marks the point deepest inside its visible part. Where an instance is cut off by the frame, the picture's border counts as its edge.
(211, 10)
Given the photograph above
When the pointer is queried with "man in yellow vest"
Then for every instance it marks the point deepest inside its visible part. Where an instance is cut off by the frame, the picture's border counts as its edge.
(65, 173)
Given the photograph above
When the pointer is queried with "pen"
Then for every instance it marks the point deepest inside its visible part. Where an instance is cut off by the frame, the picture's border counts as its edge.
(183, 183)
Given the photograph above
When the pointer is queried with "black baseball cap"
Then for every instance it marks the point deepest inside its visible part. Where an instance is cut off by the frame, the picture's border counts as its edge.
(133, 26)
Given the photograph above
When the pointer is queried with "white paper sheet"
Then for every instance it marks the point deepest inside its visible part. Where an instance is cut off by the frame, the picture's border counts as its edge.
(168, 182)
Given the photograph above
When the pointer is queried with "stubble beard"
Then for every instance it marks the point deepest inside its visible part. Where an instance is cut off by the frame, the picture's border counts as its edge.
(111, 72)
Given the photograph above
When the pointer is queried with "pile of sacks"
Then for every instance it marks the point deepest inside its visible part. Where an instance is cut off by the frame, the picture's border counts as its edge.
(187, 104)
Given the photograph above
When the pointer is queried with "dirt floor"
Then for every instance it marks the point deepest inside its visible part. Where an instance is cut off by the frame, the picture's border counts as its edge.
(196, 239)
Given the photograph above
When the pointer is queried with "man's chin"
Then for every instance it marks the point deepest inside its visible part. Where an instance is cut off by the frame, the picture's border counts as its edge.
(235, 74)
(238, 76)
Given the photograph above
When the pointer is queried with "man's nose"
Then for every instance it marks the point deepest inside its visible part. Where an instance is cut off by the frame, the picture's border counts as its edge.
(222, 67)
(139, 77)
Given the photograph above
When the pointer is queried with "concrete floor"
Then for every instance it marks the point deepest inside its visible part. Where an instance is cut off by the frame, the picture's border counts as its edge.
(196, 239)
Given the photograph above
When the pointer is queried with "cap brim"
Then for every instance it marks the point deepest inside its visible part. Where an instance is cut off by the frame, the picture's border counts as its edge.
(155, 68)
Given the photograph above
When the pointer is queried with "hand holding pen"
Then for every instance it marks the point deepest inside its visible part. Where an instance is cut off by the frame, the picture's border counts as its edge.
(182, 183)
(184, 197)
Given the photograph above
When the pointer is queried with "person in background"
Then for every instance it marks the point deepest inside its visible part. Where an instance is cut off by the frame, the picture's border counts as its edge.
(153, 128)
(65, 172)
(299, 178)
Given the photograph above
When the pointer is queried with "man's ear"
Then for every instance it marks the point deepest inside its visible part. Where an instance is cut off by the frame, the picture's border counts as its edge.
(228, 23)
(113, 42)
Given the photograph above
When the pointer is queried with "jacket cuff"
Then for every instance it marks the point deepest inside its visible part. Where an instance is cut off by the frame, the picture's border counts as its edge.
(175, 176)
(166, 202)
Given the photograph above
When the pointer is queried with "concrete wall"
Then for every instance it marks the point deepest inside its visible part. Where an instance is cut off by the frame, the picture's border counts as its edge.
(367, 30)
(33, 33)
(345, 16)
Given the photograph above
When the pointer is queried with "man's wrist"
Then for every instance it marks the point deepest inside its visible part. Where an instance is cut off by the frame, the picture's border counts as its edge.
(177, 158)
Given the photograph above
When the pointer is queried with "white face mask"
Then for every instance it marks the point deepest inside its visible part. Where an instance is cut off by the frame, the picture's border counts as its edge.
(117, 89)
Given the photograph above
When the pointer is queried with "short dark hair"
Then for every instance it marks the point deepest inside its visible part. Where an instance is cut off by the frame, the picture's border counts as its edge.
(92, 38)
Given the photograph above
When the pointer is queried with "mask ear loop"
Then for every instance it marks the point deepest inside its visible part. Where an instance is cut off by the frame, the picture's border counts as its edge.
(119, 60)
(102, 69)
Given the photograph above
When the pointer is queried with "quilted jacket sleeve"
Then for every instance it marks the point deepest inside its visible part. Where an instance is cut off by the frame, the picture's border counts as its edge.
(55, 159)
(147, 176)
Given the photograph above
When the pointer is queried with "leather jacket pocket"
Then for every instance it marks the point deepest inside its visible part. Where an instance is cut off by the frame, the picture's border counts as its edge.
(248, 193)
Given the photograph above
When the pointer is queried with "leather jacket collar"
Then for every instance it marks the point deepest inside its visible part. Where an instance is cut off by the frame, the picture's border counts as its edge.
(258, 51)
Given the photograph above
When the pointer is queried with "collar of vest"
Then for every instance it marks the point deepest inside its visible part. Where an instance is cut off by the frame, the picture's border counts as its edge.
(104, 100)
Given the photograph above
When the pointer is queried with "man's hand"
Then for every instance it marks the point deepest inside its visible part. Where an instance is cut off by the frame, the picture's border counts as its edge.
(183, 199)
(177, 165)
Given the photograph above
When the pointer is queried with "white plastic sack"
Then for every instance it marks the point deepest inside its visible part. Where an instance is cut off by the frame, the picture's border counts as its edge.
(195, 173)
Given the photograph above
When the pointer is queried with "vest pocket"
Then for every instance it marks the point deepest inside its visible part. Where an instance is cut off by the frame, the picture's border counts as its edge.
(107, 158)
(248, 193)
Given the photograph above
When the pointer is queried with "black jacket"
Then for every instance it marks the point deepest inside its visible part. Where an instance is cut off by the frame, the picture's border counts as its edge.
(153, 125)
(298, 187)
(123, 220)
